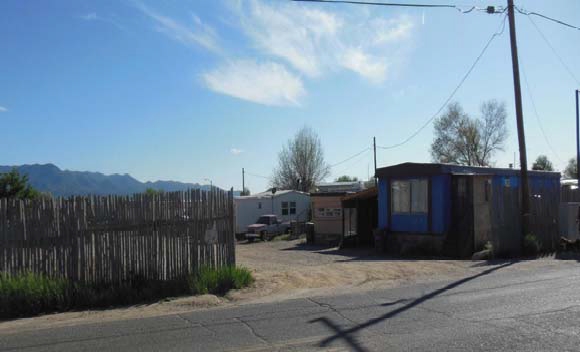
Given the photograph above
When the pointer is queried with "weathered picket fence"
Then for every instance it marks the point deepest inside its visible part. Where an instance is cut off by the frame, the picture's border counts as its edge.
(110, 239)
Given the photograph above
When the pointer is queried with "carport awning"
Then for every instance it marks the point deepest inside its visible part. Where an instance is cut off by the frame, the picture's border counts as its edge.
(349, 201)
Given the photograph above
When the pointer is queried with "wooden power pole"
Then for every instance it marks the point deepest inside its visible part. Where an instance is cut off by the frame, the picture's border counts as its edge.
(578, 135)
(525, 192)
(243, 182)
(375, 156)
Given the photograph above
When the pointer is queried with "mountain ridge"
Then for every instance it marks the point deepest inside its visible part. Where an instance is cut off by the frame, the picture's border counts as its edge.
(50, 178)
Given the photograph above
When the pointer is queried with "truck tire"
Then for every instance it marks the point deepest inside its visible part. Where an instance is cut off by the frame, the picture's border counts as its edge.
(263, 236)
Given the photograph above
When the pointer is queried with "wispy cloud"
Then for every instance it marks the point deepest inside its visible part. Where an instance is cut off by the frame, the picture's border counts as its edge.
(316, 42)
(3, 109)
(93, 17)
(195, 33)
(89, 16)
(236, 151)
(266, 83)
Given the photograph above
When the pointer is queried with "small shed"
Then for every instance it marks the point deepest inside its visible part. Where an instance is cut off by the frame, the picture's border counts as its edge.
(454, 210)
(287, 205)
(327, 216)
(360, 217)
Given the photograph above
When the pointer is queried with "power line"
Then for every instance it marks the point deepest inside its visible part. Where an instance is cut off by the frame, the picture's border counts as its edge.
(496, 34)
(449, 6)
(538, 115)
(351, 157)
(554, 51)
(355, 162)
(254, 175)
(527, 13)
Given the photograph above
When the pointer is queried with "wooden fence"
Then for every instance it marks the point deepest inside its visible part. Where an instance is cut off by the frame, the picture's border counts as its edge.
(110, 239)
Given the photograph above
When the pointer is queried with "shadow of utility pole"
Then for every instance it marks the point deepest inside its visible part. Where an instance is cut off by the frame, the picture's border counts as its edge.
(347, 335)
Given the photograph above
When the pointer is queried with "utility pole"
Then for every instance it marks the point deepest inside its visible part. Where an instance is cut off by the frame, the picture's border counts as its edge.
(243, 182)
(577, 135)
(375, 154)
(525, 193)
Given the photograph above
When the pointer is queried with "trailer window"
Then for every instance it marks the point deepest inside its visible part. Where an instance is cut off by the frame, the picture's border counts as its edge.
(284, 208)
(410, 196)
(292, 208)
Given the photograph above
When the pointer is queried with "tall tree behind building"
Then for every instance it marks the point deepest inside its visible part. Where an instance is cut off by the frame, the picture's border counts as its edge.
(301, 163)
(543, 163)
(464, 140)
(571, 170)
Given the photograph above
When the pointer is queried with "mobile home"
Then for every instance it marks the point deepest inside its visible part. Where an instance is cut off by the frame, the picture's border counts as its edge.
(286, 205)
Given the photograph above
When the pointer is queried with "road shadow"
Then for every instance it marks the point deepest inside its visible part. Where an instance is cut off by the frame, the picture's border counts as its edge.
(348, 334)
(358, 254)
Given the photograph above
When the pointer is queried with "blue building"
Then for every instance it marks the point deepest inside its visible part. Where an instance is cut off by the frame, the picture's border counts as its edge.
(455, 210)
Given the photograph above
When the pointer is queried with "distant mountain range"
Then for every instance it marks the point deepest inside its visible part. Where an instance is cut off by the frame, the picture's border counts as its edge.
(49, 178)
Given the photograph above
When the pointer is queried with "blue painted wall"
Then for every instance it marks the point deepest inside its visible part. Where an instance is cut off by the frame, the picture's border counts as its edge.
(383, 204)
(415, 223)
(419, 223)
(440, 203)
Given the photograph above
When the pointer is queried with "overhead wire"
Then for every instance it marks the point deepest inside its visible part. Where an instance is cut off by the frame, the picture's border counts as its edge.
(566, 67)
(355, 162)
(255, 175)
(397, 4)
(535, 109)
(455, 90)
(350, 158)
(531, 13)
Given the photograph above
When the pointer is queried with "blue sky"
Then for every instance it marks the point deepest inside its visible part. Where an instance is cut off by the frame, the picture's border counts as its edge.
(195, 90)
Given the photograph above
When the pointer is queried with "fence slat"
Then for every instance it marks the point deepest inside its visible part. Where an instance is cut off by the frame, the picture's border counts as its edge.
(110, 239)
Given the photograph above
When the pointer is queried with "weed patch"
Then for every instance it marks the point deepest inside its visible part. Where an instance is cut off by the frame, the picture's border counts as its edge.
(31, 294)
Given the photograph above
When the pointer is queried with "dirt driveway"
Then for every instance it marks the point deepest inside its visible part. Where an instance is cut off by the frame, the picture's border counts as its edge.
(291, 269)
(285, 270)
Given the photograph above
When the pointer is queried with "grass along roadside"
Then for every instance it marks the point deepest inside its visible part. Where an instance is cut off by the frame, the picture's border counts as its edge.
(30, 294)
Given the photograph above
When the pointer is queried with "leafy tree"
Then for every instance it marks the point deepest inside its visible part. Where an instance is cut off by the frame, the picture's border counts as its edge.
(245, 192)
(301, 163)
(461, 139)
(152, 191)
(543, 163)
(571, 170)
(346, 178)
(12, 185)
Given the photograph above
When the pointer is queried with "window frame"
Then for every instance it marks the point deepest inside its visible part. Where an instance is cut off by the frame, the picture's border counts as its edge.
(411, 184)
(292, 207)
(285, 209)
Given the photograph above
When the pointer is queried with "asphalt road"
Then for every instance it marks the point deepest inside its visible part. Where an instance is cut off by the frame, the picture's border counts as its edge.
(498, 308)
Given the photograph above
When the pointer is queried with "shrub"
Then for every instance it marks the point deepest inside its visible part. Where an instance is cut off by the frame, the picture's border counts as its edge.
(532, 246)
(220, 280)
(29, 294)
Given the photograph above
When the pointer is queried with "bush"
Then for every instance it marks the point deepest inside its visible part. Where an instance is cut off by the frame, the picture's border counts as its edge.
(221, 280)
(32, 294)
(532, 246)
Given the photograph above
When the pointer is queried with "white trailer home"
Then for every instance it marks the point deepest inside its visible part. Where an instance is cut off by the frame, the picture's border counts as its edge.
(286, 205)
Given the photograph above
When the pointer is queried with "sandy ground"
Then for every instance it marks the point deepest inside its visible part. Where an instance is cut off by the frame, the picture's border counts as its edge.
(286, 270)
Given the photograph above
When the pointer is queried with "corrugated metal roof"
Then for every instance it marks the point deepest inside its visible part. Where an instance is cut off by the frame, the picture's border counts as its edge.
(268, 194)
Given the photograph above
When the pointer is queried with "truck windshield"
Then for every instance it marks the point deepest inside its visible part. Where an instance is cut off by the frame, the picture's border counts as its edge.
(263, 220)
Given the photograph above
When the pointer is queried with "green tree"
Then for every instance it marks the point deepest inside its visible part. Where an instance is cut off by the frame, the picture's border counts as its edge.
(301, 163)
(153, 191)
(12, 185)
(346, 178)
(543, 163)
(461, 139)
(571, 170)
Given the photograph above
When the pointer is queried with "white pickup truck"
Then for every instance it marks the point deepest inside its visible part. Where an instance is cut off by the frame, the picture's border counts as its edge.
(266, 227)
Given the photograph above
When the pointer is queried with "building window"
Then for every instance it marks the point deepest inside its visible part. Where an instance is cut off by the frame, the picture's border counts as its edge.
(259, 205)
(292, 208)
(284, 208)
(410, 196)
(328, 213)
